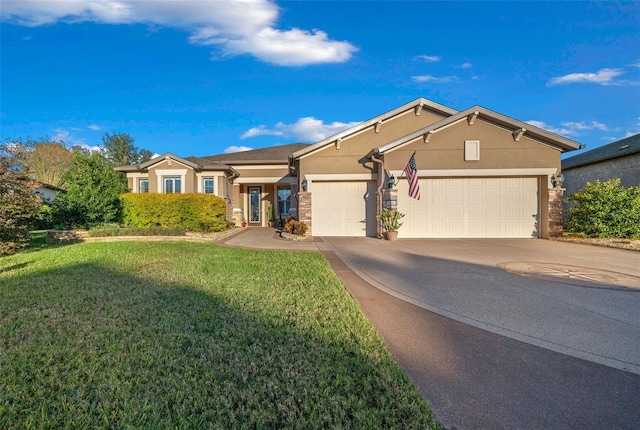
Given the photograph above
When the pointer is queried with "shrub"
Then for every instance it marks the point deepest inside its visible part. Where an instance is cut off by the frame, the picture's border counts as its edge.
(295, 227)
(19, 206)
(195, 212)
(93, 193)
(109, 230)
(605, 209)
(390, 219)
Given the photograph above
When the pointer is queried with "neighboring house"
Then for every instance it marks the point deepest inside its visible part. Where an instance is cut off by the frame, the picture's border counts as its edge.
(619, 159)
(481, 174)
(48, 192)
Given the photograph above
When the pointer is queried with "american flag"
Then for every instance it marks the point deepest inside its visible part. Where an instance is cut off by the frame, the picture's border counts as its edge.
(412, 176)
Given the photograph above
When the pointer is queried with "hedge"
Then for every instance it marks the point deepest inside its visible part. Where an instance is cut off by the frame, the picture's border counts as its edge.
(605, 209)
(195, 212)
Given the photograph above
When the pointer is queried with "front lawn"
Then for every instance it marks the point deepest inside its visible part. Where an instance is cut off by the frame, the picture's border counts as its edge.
(187, 335)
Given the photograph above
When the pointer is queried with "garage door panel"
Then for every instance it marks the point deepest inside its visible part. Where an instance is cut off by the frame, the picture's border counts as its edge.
(343, 208)
(470, 207)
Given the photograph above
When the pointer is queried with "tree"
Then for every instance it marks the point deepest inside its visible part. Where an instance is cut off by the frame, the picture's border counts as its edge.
(44, 159)
(47, 162)
(19, 206)
(93, 193)
(119, 149)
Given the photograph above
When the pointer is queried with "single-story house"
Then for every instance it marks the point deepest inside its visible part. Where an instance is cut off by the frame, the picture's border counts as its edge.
(619, 159)
(479, 173)
(48, 192)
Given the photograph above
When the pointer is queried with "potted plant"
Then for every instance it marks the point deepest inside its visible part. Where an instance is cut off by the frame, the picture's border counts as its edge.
(272, 216)
(391, 222)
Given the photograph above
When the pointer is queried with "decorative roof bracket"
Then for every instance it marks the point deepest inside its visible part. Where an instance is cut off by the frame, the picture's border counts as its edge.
(377, 126)
(517, 134)
(471, 118)
(427, 136)
(338, 143)
(419, 108)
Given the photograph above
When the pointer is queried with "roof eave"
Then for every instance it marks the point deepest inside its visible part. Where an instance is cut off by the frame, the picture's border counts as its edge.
(165, 156)
(560, 142)
(361, 126)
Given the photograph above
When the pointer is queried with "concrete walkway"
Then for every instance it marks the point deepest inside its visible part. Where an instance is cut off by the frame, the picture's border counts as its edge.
(499, 333)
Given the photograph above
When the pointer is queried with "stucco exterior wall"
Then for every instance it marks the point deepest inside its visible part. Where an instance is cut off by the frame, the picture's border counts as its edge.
(626, 168)
(349, 158)
(498, 150)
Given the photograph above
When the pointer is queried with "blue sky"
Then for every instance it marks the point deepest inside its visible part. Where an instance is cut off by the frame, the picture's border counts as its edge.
(204, 77)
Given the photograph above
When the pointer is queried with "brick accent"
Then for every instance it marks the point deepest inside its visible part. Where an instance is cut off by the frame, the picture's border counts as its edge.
(304, 210)
(556, 227)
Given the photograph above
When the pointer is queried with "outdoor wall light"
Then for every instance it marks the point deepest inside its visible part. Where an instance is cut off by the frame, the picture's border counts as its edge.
(392, 182)
(304, 185)
(557, 180)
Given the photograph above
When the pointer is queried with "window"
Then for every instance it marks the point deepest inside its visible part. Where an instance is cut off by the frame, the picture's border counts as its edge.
(172, 185)
(471, 150)
(284, 201)
(207, 185)
(143, 185)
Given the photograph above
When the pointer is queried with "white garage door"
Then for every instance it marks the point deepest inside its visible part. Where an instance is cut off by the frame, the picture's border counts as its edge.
(470, 208)
(343, 208)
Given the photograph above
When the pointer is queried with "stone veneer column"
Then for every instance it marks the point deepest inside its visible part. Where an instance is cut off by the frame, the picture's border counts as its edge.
(556, 226)
(389, 201)
(304, 210)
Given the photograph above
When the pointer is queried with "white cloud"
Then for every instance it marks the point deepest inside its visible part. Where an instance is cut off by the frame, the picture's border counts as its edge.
(552, 129)
(261, 130)
(435, 79)
(94, 127)
(593, 125)
(232, 149)
(429, 58)
(602, 77)
(466, 65)
(62, 135)
(236, 27)
(307, 129)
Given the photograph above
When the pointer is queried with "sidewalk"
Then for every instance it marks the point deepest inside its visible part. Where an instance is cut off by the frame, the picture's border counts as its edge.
(266, 238)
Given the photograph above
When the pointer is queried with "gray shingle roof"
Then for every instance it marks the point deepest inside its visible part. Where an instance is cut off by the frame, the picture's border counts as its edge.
(272, 154)
(619, 148)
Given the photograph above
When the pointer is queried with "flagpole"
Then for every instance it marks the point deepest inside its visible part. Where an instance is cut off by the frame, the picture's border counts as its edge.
(412, 155)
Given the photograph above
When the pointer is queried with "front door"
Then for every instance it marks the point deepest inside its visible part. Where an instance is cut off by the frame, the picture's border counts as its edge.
(255, 212)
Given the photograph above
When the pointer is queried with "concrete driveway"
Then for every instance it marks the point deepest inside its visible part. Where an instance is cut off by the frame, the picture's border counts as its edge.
(500, 334)
(505, 334)
(579, 300)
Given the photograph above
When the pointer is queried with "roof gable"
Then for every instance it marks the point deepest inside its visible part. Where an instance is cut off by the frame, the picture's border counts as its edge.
(192, 162)
(417, 105)
(517, 128)
(167, 156)
(620, 148)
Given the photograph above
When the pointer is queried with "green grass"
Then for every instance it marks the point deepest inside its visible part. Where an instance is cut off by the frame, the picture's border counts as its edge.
(185, 335)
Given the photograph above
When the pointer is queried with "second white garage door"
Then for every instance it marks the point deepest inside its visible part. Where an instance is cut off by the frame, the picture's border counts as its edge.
(470, 208)
(343, 208)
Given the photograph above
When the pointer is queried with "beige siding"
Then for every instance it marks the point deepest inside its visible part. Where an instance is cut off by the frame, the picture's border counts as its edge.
(498, 150)
(165, 168)
(348, 159)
